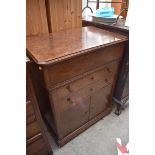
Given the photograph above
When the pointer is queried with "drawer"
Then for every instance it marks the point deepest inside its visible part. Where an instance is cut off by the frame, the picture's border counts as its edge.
(102, 76)
(29, 109)
(32, 129)
(37, 147)
(68, 69)
(82, 94)
(30, 119)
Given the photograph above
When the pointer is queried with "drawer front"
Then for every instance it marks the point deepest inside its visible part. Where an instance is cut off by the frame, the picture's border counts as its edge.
(30, 119)
(30, 115)
(32, 129)
(37, 147)
(82, 93)
(76, 66)
(102, 76)
(100, 100)
(29, 109)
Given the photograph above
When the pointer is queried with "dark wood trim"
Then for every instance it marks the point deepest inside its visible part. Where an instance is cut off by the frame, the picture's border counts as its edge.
(34, 138)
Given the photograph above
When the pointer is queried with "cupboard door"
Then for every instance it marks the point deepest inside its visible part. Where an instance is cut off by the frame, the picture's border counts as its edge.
(74, 111)
(100, 101)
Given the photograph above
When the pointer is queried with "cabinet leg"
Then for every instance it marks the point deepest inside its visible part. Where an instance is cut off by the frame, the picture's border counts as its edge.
(118, 109)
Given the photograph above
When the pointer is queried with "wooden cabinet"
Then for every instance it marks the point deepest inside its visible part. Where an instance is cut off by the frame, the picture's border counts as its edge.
(36, 140)
(77, 69)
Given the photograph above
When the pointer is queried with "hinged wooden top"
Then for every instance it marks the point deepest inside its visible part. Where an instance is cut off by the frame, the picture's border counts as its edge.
(50, 48)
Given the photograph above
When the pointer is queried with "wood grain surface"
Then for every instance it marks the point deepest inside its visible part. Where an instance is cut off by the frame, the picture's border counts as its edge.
(60, 45)
(36, 19)
(64, 14)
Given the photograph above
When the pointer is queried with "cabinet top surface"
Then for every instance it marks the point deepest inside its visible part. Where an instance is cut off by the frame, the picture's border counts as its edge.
(50, 48)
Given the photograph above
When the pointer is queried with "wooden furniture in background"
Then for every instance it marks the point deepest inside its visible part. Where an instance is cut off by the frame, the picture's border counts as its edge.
(36, 19)
(36, 140)
(64, 14)
(78, 76)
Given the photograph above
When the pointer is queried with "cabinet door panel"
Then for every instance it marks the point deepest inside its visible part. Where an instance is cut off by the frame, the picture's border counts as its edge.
(74, 112)
(99, 101)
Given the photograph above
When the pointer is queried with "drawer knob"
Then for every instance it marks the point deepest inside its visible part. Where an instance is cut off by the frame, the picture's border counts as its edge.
(91, 89)
(69, 100)
(109, 70)
(106, 80)
(92, 78)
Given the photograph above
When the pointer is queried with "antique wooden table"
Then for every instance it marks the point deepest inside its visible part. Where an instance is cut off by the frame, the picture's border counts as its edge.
(75, 73)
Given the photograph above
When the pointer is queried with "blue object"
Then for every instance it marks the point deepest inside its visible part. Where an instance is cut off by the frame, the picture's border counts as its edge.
(105, 12)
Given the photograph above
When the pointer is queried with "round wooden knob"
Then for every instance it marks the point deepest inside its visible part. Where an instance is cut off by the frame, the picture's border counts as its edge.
(91, 89)
(106, 80)
(92, 78)
(68, 99)
(109, 70)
